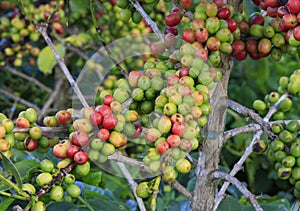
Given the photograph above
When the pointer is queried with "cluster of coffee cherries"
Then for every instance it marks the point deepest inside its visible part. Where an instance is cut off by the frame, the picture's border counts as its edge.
(285, 152)
(287, 85)
(284, 149)
(288, 12)
(18, 37)
(63, 189)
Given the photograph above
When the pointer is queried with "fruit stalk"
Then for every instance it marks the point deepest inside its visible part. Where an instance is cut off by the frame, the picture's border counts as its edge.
(239, 186)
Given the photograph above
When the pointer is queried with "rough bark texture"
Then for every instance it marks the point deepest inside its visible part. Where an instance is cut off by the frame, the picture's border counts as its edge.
(205, 188)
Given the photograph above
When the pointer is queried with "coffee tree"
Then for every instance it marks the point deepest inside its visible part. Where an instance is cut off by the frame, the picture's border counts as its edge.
(150, 121)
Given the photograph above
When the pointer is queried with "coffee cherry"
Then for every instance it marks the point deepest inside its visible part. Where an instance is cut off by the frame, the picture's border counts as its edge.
(80, 157)
(56, 193)
(73, 190)
(143, 191)
(259, 147)
(82, 170)
(183, 166)
(284, 173)
(29, 188)
(39, 206)
(69, 179)
(43, 178)
(169, 174)
(46, 165)
(35, 133)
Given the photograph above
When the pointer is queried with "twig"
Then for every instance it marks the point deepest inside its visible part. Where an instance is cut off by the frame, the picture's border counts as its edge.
(193, 160)
(44, 130)
(13, 109)
(252, 114)
(51, 98)
(98, 30)
(181, 189)
(238, 166)
(146, 17)
(21, 100)
(28, 78)
(120, 158)
(132, 185)
(186, 13)
(239, 186)
(250, 128)
(77, 51)
(42, 29)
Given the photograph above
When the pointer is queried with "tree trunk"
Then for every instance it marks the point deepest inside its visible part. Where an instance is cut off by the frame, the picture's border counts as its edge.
(205, 189)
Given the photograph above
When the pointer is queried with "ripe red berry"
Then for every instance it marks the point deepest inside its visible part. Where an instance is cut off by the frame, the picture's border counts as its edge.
(172, 19)
(81, 157)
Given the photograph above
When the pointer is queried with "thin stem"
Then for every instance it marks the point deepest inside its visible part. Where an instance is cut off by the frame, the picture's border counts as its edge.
(44, 130)
(21, 100)
(265, 124)
(88, 206)
(181, 189)
(52, 97)
(13, 196)
(132, 185)
(120, 158)
(42, 29)
(239, 186)
(28, 78)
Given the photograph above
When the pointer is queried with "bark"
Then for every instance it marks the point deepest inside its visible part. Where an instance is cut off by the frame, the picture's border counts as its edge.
(205, 188)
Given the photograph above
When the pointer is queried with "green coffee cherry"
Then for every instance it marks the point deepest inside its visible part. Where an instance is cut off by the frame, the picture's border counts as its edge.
(43, 178)
(279, 155)
(56, 193)
(296, 173)
(259, 105)
(295, 149)
(284, 172)
(73, 191)
(259, 147)
(143, 191)
(39, 206)
(277, 145)
(46, 165)
(288, 161)
(277, 127)
(286, 136)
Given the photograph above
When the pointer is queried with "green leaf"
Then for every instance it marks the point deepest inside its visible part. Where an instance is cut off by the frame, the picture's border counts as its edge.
(6, 203)
(26, 166)
(93, 178)
(267, 207)
(46, 60)
(10, 167)
(13, 1)
(230, 204)
(102, 204)
(60, 206)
